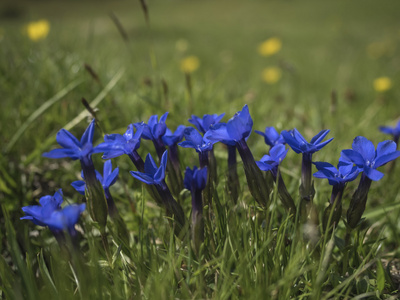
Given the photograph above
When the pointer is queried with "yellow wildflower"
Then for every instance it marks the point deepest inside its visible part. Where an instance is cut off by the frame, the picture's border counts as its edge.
(38, 30)
(382, 84)
(271, 75)
(190, 64)
(270, 47)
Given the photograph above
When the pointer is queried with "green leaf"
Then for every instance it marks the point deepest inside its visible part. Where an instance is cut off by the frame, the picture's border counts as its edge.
(380, 276)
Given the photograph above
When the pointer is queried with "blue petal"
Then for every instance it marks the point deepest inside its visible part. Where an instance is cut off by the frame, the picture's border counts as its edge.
(386, 158)
(264, 166)
(150, 166)
(142, 177)
(107, 168)
(198, 122)
(87, 136)
(164, 118)
(79, 186)
(322, 145)
(113, 154)
(66, 140)
(153, 120)
(387, 130)
(192, 135)
(160, 174)
(219, 133)
(353, 156)
(187, 144)
(345, 167)
(111, 179)
(385, 148)
(62, 153)
(187, 181)
(319, 137)
(271, 136)
(291, 141)
(278, 152)
(200, 176)
(365, 147)
(373, 174)
(298, 137)
(128, 133)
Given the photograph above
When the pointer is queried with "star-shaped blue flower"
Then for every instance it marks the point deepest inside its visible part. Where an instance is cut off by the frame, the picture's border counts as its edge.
(195, 179)
(273, 160)
(154, 129)
(72, 147)
(271, 136)
(152, 174)
(203, 124)
(49, 213)
(299, 144)
(364, 156)
(196, 141)
(116, 144)
(237, 129)
(345, 172)
(108, 179)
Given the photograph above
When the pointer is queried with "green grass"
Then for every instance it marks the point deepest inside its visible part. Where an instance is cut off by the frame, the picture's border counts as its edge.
(324, 50)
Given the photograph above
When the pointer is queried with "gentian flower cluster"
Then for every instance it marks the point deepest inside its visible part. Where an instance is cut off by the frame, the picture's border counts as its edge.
(201, 182)
(83, 151)
(49, 213)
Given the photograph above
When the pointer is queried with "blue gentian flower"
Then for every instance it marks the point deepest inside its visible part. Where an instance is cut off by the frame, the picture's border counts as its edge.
(154, 129)
(108, 178)
(272, 161)
(152, 174)
(364, 156)
(49, 213)
(271, 136)
(116, 144)
(72, 147)
(173, 167)
(338, 178)
(196, 141)
(345, 172)
(299, 144)
(367, 159)
(237, 129)
(170, 139)
(203, 124)
(394, 131)
(195, 179)
(235, 133)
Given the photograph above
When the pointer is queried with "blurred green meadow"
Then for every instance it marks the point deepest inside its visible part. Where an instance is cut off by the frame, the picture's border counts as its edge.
(323, 76)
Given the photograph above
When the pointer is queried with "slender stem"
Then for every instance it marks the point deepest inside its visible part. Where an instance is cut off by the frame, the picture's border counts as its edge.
(137, 161)
(233, 183)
